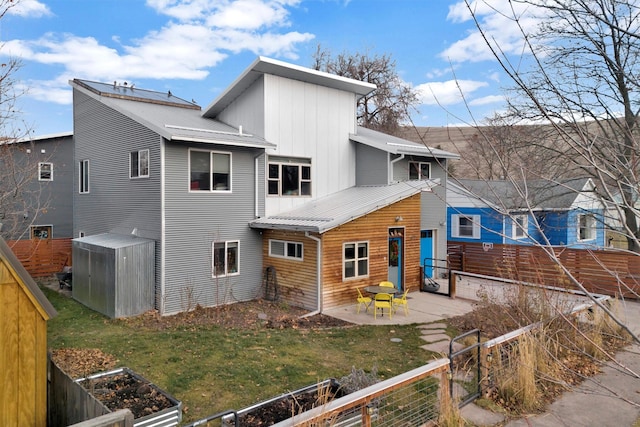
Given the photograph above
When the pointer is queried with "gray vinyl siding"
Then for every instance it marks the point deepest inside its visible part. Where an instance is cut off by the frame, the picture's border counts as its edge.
(434, 209)
(371, 166)
(115, 203)
(194, 220)
(48, 203)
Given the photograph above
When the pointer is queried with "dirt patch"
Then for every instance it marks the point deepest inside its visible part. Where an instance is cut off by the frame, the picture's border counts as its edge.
(243, 315)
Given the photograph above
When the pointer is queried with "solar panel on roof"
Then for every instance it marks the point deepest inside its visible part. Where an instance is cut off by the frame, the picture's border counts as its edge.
(126, 91)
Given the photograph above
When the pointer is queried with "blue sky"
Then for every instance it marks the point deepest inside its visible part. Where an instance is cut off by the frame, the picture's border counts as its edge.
(196, 48)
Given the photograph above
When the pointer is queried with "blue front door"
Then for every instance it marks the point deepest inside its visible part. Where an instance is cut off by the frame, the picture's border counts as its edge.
(395, 261)
(426, 252)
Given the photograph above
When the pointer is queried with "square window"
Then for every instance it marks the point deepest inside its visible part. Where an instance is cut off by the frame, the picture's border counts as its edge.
(209, 171)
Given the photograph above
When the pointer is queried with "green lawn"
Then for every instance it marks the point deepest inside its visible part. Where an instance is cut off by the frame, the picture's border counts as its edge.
(211, 369)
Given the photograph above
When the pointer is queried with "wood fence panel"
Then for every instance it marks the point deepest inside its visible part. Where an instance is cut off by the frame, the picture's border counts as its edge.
(607, 272)
(42, 257)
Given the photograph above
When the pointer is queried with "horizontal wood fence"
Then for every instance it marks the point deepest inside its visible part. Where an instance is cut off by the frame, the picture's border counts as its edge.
(42, 257)
(607, 272)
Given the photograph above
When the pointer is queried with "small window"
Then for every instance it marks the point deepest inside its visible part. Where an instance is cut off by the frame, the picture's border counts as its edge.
(419, 170)
(139, 164)
(519, 226)
(83, 176)
(355, 260)
(284, 249)
(45, 171)
(465, 226)
(586, 227)
(41, 232)
(225, 259)
(209, 171)
(289, 177)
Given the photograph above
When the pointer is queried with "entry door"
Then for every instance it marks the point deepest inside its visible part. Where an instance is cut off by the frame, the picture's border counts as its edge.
(426, 252)
(395, 257)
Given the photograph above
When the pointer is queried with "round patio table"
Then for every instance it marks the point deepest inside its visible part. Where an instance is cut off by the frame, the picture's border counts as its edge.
(381, 290)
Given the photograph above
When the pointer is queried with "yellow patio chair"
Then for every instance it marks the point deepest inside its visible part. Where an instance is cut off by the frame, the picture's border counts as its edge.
(402, 301)
(382, 301)
(387, 284)
(362, 300)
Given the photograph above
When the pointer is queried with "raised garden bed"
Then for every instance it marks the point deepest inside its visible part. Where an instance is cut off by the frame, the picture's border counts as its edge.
(124, 389)
(285, 406)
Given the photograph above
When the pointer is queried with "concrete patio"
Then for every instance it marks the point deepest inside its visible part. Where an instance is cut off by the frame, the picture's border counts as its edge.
(424, 307)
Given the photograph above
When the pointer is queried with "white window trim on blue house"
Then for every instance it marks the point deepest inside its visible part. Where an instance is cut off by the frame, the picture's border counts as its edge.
(586, 229)
(519, 226)
(472, 223)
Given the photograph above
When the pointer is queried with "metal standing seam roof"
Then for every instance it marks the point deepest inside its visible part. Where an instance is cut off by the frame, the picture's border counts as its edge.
(173, 121)
(263, 65)
(541, 194)
(395, 145)
(326, 213)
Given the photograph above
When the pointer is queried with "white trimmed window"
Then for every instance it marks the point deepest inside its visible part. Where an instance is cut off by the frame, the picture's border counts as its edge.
(139, 164)
(209, 170)
(419, 170)
(42, 232)
(284, 249)
(519, 226)
(83, 179)
(289, 176)
(226, 258)
(355, 260)
(45, 171)
(465, 226)
(586, 227)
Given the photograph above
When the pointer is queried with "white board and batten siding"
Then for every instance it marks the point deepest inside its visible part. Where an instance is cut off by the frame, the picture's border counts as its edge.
(310, 121)
(195, 220)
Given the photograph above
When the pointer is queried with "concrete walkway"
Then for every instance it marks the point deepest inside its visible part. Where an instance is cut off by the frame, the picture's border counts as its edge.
(611, 398)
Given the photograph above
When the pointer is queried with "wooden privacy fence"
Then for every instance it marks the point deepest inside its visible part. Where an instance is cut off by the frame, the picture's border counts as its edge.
(42, 257)
(607, 272)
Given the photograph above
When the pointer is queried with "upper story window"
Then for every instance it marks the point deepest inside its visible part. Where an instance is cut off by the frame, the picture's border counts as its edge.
(139, 164)
(45, 171)
(289, 176)
(419, 170)
(209, 170)
(284, 249)
(466, 226)
(83, 181)
(519, 226)
(355, 260)
(586, 227)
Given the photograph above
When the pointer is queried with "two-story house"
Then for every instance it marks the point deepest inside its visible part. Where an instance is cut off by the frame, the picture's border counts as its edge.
(273, 173)
(537, 212)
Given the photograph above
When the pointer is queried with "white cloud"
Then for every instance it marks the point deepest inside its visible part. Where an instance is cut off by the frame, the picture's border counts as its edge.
(29, 9)
(485, 100)
(448, 92)
(200, 34)
(498, 21)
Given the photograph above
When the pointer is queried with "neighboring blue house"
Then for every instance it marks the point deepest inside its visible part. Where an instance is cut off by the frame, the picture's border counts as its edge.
(257, 178)
(566, 213)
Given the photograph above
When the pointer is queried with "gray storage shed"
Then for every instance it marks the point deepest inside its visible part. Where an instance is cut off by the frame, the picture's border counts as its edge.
(114, 274)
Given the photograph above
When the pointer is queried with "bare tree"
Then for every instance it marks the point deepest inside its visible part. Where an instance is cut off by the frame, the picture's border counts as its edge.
(387, 107)
(582, 84)
(19, 191)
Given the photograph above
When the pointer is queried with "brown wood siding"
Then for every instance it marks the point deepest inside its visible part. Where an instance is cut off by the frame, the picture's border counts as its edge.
(297, 280)
(23, 361)
(373, 228)
(42, 258)
(605, 272)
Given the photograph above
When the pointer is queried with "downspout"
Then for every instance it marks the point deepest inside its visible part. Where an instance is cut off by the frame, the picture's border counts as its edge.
(318, 275)
(256, 200)
(390, 178)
